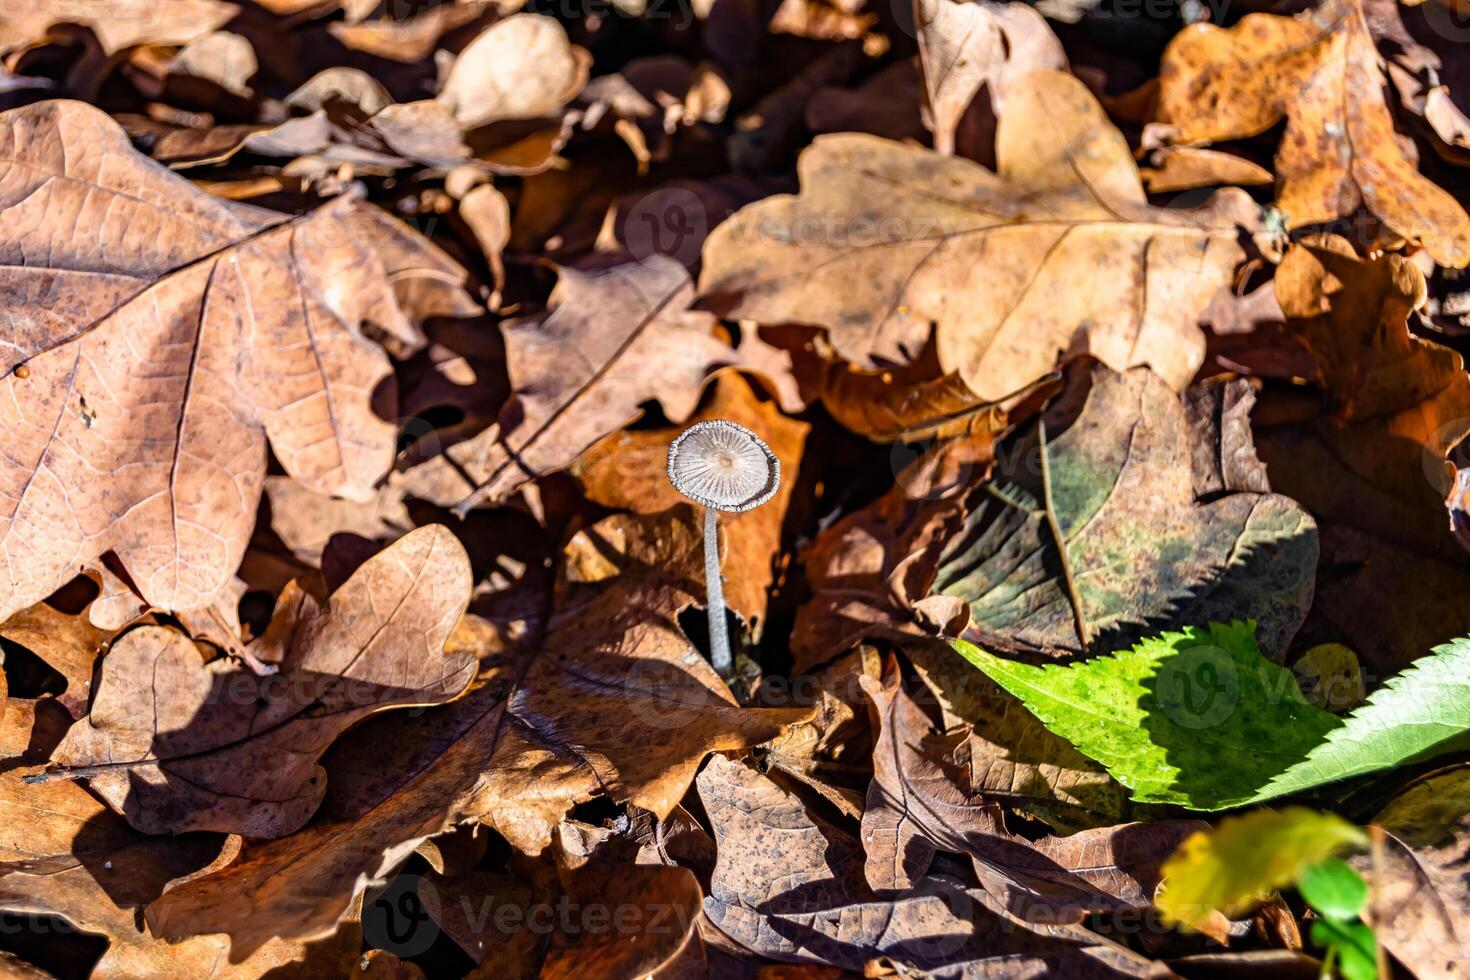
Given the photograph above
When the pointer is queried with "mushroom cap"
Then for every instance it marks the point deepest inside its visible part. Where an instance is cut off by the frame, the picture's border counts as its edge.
(724, 466)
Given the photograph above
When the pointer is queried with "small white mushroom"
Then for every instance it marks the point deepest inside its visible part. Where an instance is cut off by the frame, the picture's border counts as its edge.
(723, 466)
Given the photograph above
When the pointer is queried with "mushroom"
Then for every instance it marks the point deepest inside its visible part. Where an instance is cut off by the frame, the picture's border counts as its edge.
(723, 466)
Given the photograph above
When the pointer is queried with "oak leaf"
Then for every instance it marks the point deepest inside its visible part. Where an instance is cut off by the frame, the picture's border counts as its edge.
(164, 334)
(964, 47)
(63, 853)
(1322, 73)
(1054, 256)
(613, 340)
(613, 701)
(175, 743)
(521, 67)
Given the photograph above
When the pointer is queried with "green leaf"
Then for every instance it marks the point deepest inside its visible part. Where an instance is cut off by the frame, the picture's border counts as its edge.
(1334, 889)
(1202, 720)
(1355, 945)
(1244, 859)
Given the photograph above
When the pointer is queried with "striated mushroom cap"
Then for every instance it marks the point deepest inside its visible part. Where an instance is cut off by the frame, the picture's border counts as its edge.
(723, 466)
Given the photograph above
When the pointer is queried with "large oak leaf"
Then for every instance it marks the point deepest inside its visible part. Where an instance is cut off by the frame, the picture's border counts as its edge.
(155, 336)
(175, 743)
(1057, 254)
(1321, 71)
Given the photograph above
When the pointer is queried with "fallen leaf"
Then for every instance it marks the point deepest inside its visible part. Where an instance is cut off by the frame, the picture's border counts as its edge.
(1368, 457)
(1322, 73)
(1140, 543)
(872, 253)
(221, 747)
(628, 471)
(1183, 168)
(118, 24)
(789, 886)
(1421, 888)
(521, 67)
(63, 853)
(69, 643)
(1139, 712)
(635, 340)
(1240, 862)
(624, 705)
(967, 46)
(160, 309)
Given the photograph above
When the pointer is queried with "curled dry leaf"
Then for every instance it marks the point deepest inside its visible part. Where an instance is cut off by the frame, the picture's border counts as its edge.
(174, 743)
(789, 886)
(522, 67)
(885, 240)
(68, 643)
(1322, 73)
(626, 470)
(165, 335)
(967, 46)
(634, 340)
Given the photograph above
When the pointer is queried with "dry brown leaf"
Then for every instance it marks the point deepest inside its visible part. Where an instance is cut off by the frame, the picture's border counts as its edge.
(627, 470)
(967, 46)
(789, 886)
(63, 853)
(886, 239)
(413, 39)
(392, 783)
(1369, 462)
(613, 340)
(522, 67)
(915, 806)
(622, 704)
(1183, 168)
(164, 335)
(69, 644)
(118, 24)
(1420, 904)
(174, 743)
(1322, 73)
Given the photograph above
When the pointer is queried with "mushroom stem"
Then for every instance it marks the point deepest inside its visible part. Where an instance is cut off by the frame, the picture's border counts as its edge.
(719, 636)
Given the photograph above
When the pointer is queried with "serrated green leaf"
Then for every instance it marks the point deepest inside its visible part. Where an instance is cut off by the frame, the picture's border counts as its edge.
(1230, 868)
(1202, 720)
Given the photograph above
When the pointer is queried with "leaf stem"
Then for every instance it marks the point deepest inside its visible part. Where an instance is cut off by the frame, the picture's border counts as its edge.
(719, 636)
(1073, 596)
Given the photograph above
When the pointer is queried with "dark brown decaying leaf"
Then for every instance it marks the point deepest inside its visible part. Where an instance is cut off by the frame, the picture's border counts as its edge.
(166, 335)
(885, 240)
(1144, 540)
(175, 743)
